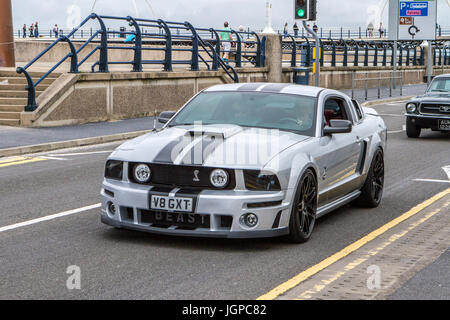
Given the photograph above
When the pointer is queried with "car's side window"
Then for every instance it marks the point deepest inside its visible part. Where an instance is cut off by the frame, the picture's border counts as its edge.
(334, 109)
(358, 110)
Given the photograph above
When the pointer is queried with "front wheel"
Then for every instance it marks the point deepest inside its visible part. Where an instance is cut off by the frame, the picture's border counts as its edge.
(303, 215)
(372, 192)
(412, 130)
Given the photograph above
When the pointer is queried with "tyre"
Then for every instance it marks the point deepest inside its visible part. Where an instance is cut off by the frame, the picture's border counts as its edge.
(303, 215)
(412, 130)
(372, 191)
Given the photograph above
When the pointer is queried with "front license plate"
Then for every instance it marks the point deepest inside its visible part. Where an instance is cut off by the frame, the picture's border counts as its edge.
(444, 125)
(166, 203)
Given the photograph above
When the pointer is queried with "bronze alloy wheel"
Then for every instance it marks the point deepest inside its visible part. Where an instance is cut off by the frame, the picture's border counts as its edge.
(303, 216)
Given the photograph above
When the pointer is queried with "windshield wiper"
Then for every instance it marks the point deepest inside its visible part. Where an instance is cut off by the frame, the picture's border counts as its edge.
(439, 90)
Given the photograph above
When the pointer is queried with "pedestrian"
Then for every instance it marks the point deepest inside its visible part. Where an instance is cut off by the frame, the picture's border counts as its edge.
(36, 30)
(226, 39)
(286, 30)
(24, 31)
(31, 29)
(315, 28)
(296, 29)
(370, 29)
(381, 30)
(56, 30)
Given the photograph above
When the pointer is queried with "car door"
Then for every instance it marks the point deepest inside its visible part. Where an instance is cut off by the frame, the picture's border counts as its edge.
(339, 155)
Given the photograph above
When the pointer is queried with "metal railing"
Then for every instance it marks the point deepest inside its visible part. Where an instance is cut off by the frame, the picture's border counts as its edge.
(393, 83)
(203, 48)
(345, 53)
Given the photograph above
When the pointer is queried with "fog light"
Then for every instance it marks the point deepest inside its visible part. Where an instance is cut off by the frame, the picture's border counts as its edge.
(249, 220)
(112, 210)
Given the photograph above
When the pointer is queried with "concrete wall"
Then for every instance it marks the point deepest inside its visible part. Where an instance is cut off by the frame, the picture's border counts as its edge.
(82, 98)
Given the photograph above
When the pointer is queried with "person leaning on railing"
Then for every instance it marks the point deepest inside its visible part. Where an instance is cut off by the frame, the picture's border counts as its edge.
(226, 39)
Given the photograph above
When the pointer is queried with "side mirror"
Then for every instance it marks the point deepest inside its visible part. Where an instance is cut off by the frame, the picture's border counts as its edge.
(165, 116)
(338, 126)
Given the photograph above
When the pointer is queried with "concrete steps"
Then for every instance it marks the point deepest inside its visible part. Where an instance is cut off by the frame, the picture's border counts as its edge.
(14, 96)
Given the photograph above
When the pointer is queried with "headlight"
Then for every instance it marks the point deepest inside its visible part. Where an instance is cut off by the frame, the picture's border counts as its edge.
(114, 170)
(411, 107)
(219, 178)
(255, 180)
(142, 173)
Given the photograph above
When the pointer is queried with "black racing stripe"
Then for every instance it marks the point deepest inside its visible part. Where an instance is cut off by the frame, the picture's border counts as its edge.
(165, 155)
(161, 190)
(206, 142)
(275, 87)
(250, 87)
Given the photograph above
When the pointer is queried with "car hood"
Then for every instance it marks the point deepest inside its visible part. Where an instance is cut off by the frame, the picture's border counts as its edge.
(433, 97)
(226, 146)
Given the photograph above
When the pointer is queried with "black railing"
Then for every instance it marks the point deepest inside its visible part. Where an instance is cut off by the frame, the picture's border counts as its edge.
(297, 51)
(202, 45)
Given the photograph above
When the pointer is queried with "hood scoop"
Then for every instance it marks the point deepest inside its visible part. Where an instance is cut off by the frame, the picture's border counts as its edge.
(222, 131)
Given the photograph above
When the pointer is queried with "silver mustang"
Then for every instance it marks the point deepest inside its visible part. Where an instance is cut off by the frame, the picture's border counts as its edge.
(248, 161)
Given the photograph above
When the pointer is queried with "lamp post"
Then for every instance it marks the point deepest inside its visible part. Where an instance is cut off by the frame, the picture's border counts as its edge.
(6, 35)
(268, 28)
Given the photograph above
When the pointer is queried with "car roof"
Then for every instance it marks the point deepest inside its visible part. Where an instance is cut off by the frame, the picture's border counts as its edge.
(287, 88)
(443, 76)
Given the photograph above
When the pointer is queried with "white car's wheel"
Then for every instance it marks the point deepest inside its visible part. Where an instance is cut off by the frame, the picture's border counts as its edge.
(303, 215)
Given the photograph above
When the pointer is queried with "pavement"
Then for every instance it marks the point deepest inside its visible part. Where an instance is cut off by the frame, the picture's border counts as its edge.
(50, 223)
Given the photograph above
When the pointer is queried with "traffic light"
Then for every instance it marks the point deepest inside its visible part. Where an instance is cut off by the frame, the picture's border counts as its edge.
(305, 10)
(301, 9)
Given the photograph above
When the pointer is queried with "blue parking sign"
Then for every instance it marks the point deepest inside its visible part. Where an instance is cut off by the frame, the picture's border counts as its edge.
(413, 8)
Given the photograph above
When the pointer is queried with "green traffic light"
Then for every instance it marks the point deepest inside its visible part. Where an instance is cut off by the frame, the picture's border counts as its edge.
(301, 13)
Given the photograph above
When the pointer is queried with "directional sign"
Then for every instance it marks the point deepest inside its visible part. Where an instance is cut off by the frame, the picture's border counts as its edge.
(414, 9)
(412, 20)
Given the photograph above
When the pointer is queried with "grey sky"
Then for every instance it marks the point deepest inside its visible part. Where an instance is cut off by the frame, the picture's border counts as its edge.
(206, 13)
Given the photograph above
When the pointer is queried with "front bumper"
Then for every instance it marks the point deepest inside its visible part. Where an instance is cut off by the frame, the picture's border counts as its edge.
(426, 121)
(132, 200)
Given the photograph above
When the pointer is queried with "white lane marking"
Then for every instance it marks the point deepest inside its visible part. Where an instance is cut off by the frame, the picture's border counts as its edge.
(53, 158)
(403, 130)
(79, 153)
(50, 217)
(431, 180)
(447, 171)
(390, 115)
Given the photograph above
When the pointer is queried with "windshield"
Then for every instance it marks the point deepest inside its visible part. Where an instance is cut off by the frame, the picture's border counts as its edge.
(440, 85)
(251, 109)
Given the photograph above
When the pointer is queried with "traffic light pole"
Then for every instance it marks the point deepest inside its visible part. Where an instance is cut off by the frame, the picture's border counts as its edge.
(317, 60)
(6, 35)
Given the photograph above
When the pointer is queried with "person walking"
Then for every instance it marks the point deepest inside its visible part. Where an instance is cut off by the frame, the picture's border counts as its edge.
(315, 28)
(381, 30)
(226, 39)
(56, 30)
(286, 30)
(370, 29)
(36, 30)
(31, 29)
(24, 31)
(296, 29)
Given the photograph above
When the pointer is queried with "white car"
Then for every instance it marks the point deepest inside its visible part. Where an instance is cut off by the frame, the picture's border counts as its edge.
(247, 161)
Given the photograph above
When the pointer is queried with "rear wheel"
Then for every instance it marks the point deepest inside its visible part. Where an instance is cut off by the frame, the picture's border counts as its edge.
(372, 192)
(412, 130)
(303, 215)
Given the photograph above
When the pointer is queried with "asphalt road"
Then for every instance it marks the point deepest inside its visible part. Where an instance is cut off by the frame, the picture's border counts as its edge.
(119, 264)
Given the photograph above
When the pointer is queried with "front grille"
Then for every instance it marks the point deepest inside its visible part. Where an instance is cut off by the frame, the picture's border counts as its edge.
(182, 176)
(435, 108)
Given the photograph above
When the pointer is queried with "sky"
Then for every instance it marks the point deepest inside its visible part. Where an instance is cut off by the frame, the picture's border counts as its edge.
(205, 13)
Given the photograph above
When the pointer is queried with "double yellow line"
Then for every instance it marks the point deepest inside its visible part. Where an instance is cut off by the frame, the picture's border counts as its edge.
(14, 161)
(295, 281)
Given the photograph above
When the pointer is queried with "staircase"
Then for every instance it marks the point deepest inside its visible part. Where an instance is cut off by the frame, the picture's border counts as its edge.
(14, 96)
